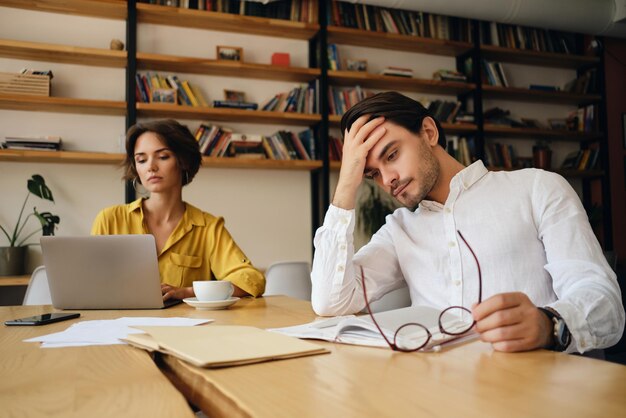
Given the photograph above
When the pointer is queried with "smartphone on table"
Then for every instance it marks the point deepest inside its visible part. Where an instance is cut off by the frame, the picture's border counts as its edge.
(43, 319)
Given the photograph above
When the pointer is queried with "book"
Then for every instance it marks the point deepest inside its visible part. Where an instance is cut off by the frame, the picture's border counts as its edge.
(235, 104)
(217, 346)
(360, 330)
(397, 71)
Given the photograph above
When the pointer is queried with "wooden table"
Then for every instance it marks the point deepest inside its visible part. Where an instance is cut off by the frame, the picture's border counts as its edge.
(96, 381)
(468, 380)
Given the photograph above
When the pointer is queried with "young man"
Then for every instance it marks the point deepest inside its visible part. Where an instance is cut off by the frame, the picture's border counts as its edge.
(543, 270)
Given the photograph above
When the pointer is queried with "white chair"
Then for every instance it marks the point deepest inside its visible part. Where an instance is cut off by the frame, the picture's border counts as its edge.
(290, 278)
(38, 292)
(396, 299)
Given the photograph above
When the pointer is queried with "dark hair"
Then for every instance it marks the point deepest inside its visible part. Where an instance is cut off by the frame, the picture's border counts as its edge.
(396, 108)
(177, 137)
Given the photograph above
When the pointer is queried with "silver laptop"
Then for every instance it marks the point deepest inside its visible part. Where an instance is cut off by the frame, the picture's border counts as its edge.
(103, 272)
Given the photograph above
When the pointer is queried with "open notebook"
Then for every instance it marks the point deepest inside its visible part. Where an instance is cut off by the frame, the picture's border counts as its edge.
(222, 345)
(360, 330)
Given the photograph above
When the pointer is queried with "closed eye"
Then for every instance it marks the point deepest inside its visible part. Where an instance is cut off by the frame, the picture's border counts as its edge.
(392, 155)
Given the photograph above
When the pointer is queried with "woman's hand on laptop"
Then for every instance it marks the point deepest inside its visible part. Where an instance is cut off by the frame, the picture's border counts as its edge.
(171, 292)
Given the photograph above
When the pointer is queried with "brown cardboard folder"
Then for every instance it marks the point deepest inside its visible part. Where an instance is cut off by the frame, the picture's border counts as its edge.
(222, 345)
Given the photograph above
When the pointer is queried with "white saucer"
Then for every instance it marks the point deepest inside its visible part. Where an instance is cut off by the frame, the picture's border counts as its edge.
(210, 305)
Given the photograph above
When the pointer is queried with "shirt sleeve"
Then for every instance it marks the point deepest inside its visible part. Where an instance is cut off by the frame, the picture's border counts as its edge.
(336, 274)
(589, 298)
(230, 263)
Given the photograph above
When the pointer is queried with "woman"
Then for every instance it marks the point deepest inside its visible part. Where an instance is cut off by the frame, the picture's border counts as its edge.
(163, 156)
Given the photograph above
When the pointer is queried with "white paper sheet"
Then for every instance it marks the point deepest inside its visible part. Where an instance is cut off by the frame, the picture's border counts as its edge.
(106, 332)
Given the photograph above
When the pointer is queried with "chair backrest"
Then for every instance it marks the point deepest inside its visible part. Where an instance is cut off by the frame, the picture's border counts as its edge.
(290, 278)
(396, 299)
(38, 292)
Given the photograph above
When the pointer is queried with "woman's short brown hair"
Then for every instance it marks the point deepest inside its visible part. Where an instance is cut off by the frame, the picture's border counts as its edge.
(396, 108)
(177, 137)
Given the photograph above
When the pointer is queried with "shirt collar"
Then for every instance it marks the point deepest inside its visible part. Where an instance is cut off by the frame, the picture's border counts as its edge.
(192, 215)
(463, 180)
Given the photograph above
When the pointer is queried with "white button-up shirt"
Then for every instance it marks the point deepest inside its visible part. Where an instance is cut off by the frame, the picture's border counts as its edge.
(530, 234)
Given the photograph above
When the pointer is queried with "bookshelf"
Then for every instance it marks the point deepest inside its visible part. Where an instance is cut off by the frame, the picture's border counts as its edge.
(318, 35)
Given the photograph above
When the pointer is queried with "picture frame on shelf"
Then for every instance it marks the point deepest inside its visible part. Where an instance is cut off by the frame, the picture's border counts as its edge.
(234, 95)
(229, 53)
(163, 95)
(356, 65)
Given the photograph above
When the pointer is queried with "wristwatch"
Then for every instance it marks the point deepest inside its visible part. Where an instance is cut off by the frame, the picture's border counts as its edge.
(561, 337)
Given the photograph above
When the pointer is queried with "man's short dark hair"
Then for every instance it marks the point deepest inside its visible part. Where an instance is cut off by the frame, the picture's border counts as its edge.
(177, 137)
(396, 108)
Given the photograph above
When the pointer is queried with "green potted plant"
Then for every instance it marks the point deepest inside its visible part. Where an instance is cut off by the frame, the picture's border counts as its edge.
(12, 256)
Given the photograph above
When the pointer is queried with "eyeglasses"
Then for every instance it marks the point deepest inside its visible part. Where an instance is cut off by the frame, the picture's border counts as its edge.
(414, 336)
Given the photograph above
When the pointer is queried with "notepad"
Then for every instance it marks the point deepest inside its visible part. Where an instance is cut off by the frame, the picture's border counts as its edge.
(222, 345)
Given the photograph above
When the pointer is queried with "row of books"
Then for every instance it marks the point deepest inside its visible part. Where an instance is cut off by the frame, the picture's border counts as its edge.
(340, 100)
(36, 143)
(445, 111)
(583, 119)
(586, 83)
(461, 148)
(300, 99)
(584, 159)
(335, 148)
(412, 23)
(217, 141)
(500, 155)
(521, 37)
(154, 87)
(295, 10)
(493, 74)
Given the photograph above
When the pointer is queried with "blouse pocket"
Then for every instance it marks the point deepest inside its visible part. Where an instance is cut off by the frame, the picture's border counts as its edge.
(185, 269)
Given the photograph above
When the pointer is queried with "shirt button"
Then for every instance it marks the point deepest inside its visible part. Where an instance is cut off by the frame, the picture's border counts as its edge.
(339, 268)
(457, 283)
(448, 210)
(582, 344)
(342, 247)
(344, 220)
(451, 244)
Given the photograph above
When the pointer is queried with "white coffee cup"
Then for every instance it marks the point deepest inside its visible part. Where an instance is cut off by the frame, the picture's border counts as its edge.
(212, 290)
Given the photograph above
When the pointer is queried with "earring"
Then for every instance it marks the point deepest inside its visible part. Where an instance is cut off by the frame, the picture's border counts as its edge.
(135, 185)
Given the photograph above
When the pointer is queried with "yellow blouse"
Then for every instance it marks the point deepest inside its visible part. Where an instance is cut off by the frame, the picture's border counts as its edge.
(199, 248)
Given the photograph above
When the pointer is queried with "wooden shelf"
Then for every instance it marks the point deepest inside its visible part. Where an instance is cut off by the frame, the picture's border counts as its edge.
(298, 165)
(109, 9)
(14, 280)
(383, 40)
(225, 114)
(534, 133)
(83, 157)
(457, 128)
(539, 96)
(146, 61)
(363, 79)
(546, 59)
(61, 53)
(62, 105)
(63, 157)
(176, 16)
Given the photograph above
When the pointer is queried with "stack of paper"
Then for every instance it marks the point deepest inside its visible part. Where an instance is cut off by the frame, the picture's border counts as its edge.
(106, 332)
(222, 345)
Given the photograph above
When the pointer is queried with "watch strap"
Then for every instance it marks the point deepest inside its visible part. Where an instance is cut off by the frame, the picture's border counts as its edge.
(561, 337)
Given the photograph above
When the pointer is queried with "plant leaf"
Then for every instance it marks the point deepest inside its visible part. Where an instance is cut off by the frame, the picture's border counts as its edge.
(48, 221)
(37, 186)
